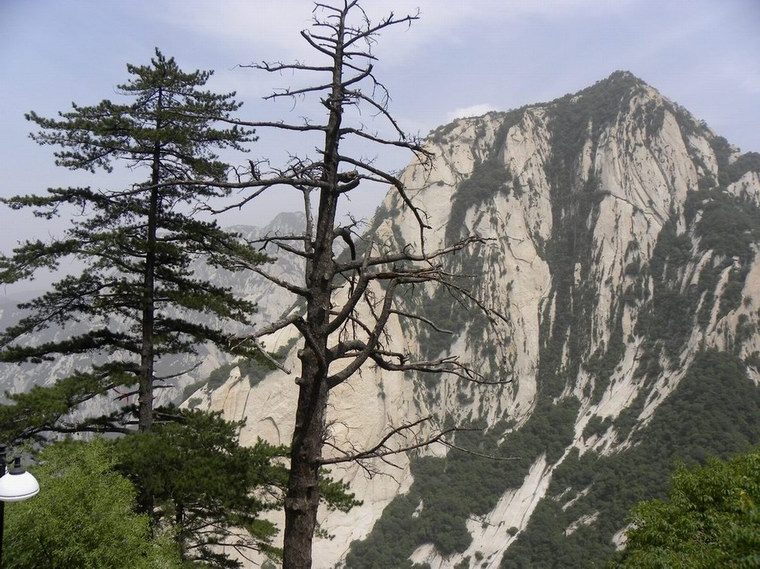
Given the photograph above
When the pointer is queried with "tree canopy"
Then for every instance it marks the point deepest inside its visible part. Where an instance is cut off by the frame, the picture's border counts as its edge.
(207, 487)
(83, 517)
(134, 311)
(710, 519)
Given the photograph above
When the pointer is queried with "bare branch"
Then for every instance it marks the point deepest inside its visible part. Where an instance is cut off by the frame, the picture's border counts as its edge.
(294, 92)
(267, 239)
(478, 454)
(385, 141)
(400, 188)
(405, 255)
(308, 37)
(279, 66)
(292, 250)
(293, 319)
(381, 449)
(422, 319)
(449, 365)
(380, 108)
(300, 291)
(178, 374)
(354, 297)
(306, 127)
(385, 23)
(270, 359)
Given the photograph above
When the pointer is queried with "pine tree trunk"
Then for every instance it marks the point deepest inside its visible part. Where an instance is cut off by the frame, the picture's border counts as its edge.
(145, 389)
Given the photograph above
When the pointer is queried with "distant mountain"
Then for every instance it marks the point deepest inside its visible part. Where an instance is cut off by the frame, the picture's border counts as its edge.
(623, 253)
(270, 301)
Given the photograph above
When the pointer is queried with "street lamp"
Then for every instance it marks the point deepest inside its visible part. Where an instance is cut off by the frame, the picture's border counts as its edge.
(15, 485)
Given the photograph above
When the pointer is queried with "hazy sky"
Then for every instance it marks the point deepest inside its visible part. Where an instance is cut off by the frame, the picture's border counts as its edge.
(461, 56)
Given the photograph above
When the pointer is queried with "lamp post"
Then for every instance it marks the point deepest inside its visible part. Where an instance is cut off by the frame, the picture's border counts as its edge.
(15, 485)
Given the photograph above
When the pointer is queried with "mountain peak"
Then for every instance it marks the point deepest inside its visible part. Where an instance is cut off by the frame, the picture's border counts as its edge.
(624, 75)
(605, 97)
(619, 85)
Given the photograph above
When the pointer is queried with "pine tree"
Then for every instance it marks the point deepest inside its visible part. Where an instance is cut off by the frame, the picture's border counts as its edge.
(210, 490)
(136, 303)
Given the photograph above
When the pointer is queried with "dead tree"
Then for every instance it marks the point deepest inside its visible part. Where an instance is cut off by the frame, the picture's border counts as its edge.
(348, 299)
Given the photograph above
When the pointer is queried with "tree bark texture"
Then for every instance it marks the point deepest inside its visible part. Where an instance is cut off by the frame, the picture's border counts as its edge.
(303, 495)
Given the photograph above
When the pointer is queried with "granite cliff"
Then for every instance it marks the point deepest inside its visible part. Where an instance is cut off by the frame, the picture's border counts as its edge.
(622, 253)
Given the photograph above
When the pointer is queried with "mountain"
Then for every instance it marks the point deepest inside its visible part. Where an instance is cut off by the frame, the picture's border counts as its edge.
(622, 253)
(270, 300)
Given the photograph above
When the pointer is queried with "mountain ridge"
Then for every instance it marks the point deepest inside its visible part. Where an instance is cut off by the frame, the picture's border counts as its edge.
(605, 185)
(610, 260)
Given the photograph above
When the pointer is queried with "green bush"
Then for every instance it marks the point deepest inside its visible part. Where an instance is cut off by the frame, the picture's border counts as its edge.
(710, 519)
(83, 517)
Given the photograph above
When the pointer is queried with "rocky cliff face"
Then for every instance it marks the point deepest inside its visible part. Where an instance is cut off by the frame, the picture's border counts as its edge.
(622, 254)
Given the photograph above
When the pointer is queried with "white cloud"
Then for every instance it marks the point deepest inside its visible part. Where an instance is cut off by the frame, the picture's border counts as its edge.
(471, 111)
(268, 30)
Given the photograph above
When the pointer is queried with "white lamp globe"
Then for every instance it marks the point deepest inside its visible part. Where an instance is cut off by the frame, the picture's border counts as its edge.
(18, 484)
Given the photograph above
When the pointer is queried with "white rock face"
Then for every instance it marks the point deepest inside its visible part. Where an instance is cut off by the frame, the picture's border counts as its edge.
(746, 187)
(495, 531)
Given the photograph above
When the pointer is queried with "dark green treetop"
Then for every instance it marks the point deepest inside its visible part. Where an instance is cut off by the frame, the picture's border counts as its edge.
(210, 490)
(711, 519)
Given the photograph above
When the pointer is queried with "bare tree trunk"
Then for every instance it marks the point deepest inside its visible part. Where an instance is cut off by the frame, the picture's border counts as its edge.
(357, 322)
(303, 495)
(302, 499)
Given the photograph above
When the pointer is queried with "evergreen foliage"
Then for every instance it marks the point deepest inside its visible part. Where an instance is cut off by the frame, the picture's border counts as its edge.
(442, 488)
(206, 487)
(726, 226)
(669, 317)
(136, 303)
(749, 162)
(712, 412)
